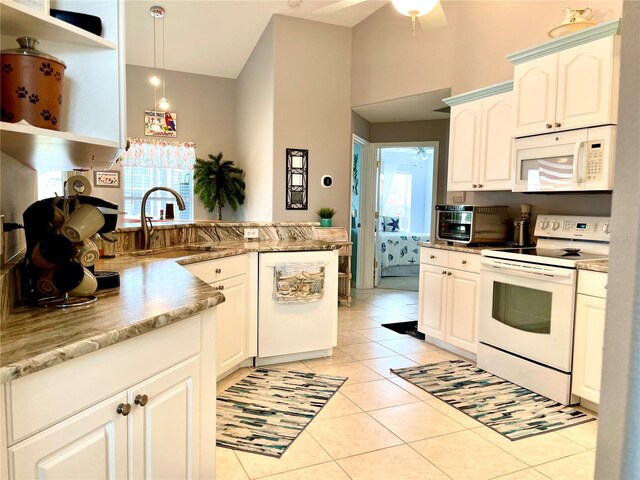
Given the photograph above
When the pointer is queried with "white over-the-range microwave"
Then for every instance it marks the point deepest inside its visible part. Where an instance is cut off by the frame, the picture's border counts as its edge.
(575, 160)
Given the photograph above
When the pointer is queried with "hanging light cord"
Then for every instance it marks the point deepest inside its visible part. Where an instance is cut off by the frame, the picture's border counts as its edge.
(164, 73)
(155, 87)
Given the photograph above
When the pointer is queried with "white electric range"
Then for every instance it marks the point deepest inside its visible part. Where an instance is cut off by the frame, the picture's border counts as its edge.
(527, 303)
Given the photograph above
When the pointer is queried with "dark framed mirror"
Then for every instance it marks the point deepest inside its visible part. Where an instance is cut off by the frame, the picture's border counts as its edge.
(297, 179)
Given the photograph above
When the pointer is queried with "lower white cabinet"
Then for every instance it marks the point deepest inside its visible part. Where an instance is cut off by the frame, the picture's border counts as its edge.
(165, 423)
(448, 297)
(157, 422)
(236, 324)
(91, 444)
(589, 335)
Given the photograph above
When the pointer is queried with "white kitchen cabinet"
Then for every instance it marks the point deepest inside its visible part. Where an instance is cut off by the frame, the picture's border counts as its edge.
(480, 140)
(148, 414)
(589, 335)
(93, 126)
(572, 88)
(448, 297)
(432, 300)
(236, 325)
(232, 328)
(165, 423)
(91, 444)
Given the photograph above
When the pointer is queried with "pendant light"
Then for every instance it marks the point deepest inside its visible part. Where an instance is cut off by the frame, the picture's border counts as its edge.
(158, 13)
(414, 9)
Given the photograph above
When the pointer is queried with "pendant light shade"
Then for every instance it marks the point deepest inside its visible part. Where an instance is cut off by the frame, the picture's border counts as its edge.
(414, 9)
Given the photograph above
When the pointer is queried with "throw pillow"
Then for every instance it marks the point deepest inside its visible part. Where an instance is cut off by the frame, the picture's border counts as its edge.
(391, 224)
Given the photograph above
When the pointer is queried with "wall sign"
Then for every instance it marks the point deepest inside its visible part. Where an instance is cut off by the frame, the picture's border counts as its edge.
(297, 179)
(160, 124)
(106, 179)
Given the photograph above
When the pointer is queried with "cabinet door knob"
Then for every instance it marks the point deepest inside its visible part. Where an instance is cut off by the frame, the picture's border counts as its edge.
(549, 126)
(479, 185)
(464, 262)
(449, 273)
(444, 272)
(218, 270)
(558, 124)
(432, 257)
(141, 400)
(124, 409)
(474, 185)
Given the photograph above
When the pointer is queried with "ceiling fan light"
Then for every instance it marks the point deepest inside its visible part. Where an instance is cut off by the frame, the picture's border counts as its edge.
(414, 8)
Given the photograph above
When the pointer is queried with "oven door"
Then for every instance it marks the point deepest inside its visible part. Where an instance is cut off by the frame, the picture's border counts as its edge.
(527, 310)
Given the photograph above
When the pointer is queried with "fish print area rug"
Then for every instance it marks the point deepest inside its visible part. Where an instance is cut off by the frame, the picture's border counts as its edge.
(264, 412)
(511, 410)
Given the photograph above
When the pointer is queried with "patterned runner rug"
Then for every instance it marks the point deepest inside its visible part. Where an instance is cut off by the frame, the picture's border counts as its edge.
(509, 409)
(264, 412)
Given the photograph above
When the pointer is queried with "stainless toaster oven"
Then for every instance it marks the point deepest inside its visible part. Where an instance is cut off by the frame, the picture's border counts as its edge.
(472, 224)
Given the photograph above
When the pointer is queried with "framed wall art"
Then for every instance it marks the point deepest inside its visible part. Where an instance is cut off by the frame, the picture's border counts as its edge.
(106, 179)
(297, 179)
(160, 124)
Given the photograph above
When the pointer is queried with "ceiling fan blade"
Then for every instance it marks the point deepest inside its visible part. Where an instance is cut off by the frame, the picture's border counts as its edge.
(336, 7)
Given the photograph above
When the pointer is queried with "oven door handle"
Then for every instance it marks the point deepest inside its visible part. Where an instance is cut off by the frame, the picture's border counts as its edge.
(526, 271)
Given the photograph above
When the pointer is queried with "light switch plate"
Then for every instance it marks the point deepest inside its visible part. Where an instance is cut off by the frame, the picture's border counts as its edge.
(251, 233)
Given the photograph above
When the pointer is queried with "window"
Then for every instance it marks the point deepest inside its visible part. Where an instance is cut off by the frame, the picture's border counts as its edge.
(155, 163)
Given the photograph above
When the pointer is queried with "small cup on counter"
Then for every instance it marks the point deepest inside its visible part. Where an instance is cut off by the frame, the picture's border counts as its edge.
(83, 222)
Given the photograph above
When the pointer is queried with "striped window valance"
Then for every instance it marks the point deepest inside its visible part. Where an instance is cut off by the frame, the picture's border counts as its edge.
(159, 154)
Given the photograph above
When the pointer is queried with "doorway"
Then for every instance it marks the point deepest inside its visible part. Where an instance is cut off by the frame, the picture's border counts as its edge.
(360, 151)
(397, 205)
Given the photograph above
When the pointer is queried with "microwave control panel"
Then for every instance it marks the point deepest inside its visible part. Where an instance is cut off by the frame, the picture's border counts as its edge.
(595, 161)
(583, 228)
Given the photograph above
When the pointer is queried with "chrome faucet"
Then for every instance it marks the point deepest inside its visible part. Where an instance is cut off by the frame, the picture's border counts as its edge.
(146, 231)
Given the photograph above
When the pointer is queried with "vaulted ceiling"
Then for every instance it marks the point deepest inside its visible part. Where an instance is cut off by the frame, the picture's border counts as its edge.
(216, 37)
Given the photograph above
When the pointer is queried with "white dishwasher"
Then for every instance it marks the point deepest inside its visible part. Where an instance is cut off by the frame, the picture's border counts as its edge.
(294, 331)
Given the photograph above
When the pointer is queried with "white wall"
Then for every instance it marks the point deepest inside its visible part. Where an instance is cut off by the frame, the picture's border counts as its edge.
(619, 423)
(18, 190)
(255, 128)
(469, 53)
(312, 112)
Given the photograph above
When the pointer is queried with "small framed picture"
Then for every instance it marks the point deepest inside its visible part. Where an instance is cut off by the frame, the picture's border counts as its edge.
(106, 179)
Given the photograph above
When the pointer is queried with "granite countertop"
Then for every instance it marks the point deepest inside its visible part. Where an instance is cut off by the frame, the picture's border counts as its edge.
(460, 247)
(134, 225)
(594, 266)
(154, 292)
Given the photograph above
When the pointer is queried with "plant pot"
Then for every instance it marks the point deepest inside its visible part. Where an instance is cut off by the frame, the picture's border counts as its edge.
(31, 85)
(325, 222)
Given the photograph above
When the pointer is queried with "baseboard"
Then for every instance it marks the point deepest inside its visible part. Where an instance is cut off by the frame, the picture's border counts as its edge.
(446, 346)
(294, 357)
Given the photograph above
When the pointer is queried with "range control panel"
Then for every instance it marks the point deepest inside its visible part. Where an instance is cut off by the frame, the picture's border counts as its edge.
(578, 227)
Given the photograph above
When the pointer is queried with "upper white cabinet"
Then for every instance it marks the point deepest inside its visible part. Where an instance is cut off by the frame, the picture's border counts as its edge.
(568, 83)
(92, 131)
(480, 140)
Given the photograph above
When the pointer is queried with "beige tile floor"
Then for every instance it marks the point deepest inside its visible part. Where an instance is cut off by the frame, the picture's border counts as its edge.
(379, 426)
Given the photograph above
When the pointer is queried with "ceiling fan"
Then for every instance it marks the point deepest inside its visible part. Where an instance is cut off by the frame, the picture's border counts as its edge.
(431, 10)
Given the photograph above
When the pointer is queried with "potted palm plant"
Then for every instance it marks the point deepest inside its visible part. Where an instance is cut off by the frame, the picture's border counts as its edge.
(217, 183)
(326, 214)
